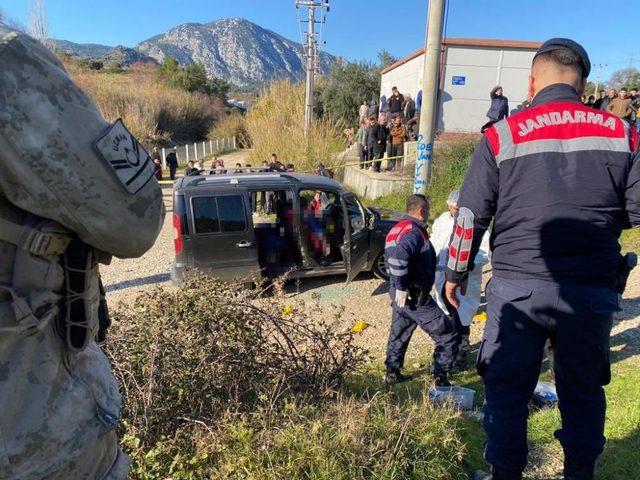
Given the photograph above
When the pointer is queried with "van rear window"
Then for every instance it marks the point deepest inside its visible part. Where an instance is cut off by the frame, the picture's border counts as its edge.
(219, 214)
(205, 215)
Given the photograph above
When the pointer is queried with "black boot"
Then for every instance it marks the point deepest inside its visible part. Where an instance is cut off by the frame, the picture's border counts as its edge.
(574, 470)
(441, 379)
(394, 376)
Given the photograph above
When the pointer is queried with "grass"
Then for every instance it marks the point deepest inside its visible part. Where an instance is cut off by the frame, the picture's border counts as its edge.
(620, 460)
(450, 163)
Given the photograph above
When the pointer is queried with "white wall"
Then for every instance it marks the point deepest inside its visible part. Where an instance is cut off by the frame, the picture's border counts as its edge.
(407, 77)
(463, 108)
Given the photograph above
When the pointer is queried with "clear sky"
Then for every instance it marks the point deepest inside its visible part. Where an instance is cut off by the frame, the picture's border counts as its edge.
(358, 29)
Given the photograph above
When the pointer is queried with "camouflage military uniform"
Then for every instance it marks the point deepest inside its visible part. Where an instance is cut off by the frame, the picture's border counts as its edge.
(65, 173)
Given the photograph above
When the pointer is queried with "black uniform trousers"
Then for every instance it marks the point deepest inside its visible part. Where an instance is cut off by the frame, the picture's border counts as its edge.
(521, 315)
(378, 153)
(172, 171)
(430, 318)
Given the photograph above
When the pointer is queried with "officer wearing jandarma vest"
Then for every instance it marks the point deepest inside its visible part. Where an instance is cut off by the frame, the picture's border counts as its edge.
(74, 190)
(560, 181)
(411, 263)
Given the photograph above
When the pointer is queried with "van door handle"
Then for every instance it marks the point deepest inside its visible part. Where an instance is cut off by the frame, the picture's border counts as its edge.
(243, 244)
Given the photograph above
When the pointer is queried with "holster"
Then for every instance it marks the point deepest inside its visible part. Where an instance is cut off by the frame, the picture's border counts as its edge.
(627, 263)
(418, 293)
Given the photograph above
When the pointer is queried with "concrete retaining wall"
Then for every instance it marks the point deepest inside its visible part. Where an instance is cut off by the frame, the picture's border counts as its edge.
(371, 185)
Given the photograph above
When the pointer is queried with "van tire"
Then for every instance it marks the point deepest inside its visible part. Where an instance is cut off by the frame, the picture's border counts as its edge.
(379, 268)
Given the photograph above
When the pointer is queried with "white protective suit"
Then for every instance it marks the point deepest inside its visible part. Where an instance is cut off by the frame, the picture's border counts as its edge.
(469, 303)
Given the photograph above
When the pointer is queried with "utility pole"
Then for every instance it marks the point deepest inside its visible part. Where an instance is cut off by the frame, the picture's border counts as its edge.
(599, 67)
(435, 20)
(311, 57)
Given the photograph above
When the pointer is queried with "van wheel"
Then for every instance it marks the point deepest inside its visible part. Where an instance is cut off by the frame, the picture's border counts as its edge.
(379, 267)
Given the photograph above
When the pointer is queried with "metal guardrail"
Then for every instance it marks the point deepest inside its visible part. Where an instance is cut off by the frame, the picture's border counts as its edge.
(197, 150)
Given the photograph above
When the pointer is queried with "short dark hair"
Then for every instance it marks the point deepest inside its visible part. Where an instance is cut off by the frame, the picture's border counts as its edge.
(274, 155)
(564, 57)
(394, 88)
(623, 89)
(416, 202)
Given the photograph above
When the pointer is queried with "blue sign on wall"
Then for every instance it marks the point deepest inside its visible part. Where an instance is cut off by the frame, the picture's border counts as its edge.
(458, 80)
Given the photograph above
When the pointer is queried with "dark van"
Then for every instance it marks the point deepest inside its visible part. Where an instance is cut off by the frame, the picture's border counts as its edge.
(237, 226)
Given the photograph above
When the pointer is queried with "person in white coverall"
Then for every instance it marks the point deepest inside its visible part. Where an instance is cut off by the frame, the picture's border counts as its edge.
(470, 301)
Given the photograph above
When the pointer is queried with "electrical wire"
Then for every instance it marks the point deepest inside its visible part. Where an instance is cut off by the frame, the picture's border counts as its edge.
(446, 18)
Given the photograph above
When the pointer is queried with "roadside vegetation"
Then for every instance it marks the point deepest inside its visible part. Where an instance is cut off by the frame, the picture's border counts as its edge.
(450, 163)
(220, 382)
(157, 104)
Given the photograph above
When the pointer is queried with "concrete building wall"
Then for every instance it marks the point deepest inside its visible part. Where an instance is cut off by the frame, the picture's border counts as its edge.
(468, 75)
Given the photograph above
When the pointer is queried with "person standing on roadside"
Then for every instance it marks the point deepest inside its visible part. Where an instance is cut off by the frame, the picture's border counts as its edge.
(172, 163)
(621, 105)
(157, 169)
(408, 109)
(380, 133)
(397, 136)
(360, 140)
(611, 95)
(499, 108)
(363, 113)
(470, 301)
(411, 263)
(395, 102)
(598, 103)
(370, 141)
(559, 195)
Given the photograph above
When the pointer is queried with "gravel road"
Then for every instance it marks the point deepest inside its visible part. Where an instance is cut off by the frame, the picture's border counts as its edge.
(123, 278)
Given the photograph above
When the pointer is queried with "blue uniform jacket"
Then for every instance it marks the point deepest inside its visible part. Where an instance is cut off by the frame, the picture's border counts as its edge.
(410, 258)
(560, 181)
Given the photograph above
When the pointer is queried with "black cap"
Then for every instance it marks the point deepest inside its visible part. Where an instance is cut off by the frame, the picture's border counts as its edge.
(575, 47)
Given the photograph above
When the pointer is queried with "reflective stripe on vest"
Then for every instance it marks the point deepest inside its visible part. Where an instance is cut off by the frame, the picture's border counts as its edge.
(561, 127)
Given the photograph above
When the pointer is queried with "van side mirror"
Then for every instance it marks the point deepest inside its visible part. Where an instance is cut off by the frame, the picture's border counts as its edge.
(371, 221)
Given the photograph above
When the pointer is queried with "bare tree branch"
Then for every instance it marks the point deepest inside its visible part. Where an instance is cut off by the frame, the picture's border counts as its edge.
(37, 26)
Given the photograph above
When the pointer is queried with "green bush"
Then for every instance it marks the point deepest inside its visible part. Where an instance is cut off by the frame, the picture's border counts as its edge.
(450, 164)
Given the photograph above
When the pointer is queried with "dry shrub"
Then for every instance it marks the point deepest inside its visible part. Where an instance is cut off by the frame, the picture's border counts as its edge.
(211, 347)
(150, 109)
(232, 125)
(276, 125)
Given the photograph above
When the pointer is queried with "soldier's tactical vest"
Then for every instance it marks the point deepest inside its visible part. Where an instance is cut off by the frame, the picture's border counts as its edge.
(54, 400)
(60, 160)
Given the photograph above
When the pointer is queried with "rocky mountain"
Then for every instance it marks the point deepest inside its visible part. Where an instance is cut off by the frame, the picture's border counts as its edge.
(235, 50)
(120, 54)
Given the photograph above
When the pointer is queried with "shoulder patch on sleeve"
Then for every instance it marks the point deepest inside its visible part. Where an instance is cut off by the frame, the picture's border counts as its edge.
(493, 139)
(128, 159)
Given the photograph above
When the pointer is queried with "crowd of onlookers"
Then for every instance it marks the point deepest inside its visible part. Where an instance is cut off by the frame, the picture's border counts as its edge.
(384, 127)
(625, 103)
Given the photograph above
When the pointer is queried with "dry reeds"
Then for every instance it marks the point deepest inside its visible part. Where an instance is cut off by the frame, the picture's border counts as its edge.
(276, 125)
(150, 109)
